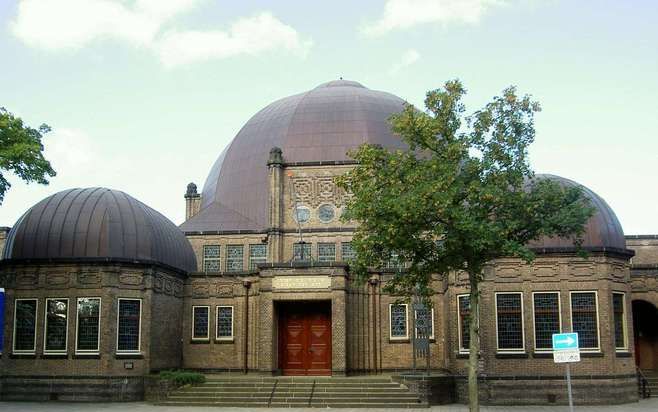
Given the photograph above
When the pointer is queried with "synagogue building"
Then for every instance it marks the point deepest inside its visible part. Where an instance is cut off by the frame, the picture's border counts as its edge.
(100, 290)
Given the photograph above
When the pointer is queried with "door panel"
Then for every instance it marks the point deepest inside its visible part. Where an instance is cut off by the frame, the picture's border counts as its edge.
(305, 339)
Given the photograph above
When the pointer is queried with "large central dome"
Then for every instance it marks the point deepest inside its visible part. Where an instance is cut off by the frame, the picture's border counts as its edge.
(322, 124)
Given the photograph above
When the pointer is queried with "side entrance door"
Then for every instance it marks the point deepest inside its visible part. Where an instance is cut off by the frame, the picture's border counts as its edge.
(305, 339)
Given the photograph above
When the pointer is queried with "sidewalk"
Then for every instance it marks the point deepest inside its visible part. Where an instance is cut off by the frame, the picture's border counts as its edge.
(645, 405)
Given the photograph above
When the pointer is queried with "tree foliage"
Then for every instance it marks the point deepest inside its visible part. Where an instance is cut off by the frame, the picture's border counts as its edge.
(21, 152)
(461, 195)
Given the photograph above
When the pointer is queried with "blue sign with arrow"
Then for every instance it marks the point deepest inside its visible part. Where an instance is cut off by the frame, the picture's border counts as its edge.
(565, 341)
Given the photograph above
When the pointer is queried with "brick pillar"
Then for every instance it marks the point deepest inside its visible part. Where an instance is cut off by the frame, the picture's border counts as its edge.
(275, 235)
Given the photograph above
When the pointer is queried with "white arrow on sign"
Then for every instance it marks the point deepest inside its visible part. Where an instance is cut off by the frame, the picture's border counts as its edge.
(568, 340)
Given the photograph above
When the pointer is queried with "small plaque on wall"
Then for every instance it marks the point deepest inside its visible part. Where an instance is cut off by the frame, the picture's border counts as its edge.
(301, 282)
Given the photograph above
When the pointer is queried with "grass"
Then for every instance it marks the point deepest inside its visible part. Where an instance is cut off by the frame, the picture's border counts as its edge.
(180, 377)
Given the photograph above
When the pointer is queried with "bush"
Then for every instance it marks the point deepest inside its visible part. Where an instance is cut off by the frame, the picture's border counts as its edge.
(181, 378)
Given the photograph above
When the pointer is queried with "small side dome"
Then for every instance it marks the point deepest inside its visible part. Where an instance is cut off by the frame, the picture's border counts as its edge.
(98, 224)
(603, 229)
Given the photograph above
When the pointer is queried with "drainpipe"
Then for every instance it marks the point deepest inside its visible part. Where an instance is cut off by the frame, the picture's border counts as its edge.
(247, 286)
(373, 282)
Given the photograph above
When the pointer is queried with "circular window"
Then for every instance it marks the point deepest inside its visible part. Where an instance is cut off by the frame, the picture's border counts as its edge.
(301, 214)
(326, 213)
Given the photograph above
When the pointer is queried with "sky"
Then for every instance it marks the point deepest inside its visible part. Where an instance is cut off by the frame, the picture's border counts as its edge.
(143, 95)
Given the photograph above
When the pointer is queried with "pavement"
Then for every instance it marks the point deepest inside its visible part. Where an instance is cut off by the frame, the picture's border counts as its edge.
(645, 405)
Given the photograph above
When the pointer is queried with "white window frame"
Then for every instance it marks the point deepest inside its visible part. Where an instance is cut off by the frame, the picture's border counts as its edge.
(326, 243)
(207, 337)
(250, 257)
(77, 326)
(390, 321)
(224, 338)
(45, 329)
(431, 337)
(624, 323)
(510, 350)
(534, 328)
(36, 324)
(598, 322)
(139, 331)
(226, 264)
(459, 324)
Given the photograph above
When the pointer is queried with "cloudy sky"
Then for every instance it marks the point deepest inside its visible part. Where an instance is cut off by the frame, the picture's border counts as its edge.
(143, 95)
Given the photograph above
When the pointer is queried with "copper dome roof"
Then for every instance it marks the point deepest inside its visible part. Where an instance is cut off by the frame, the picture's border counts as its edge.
(319, 125)
(98, 224)
(602, 231)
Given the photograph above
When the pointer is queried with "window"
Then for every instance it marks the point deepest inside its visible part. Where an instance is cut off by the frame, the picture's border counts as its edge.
(394, 262)
(56, 327)
(224, 322)
(326, 213)
(425, 315)
(257, 255)
(584, 319)
(347, 252)
(301, 214)
(619, 313)
(463, 320)
(398, 321)
(326, 252)
(200, 315)
(546, 307)
(301, 251)
(25, 326)
(128, 325)
(211, 258)
(509, 321)
(88, 337)
(234, 258)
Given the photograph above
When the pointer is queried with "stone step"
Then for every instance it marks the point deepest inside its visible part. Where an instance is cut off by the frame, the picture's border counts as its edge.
(204, 388)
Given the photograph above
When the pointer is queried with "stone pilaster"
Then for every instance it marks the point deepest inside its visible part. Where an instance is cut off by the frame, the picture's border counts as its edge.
(275, 236)
(192, 201)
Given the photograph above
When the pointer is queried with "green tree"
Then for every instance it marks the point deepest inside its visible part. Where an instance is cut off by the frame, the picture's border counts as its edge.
(21, 152)
(462, 195)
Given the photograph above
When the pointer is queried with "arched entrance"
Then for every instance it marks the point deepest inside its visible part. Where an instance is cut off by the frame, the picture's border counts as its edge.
(645, 327)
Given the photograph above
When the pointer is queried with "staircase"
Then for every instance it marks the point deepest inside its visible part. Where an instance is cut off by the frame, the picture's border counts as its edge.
(652, 381)
(320, 392)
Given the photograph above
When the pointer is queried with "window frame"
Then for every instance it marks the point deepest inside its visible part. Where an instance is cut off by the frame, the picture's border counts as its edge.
(431, 337)
(623, 320)
(36, 324)
(319, 246)
(139, 329)
(461, 349)
(301, 245)
(534, 325)
(77, 326)
(253, 266)
(207, 337)
(522, 349)
(241, 261)
(218, 259)
(598, 321)
(45, 329)
(390, 322)
(224, 338)
(342, 249)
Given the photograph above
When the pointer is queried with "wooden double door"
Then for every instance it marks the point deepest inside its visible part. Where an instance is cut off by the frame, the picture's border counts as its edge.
(305, 338)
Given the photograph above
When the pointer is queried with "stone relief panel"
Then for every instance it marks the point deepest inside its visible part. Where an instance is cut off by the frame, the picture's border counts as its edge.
(89, 278)
(27, 279)
(546, 269)
(225, 291)
(201, 290)
(57, 280)
(315, 190)
(131, 279)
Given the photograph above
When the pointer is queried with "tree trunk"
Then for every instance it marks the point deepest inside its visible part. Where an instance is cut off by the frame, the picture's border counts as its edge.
(474, 343)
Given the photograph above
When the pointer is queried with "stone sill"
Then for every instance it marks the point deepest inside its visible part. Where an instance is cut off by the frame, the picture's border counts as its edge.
(199, 341)
(225, 341)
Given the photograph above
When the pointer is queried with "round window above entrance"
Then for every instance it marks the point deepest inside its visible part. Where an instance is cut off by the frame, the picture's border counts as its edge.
(326, 213)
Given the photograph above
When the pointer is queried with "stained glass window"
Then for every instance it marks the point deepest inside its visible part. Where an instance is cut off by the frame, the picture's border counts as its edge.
(347, 252)
(88, 324)
(200, 322)
(425, 322)
(326, 252)
(619, 319)
(56, 325)
(128, 332)
(211, 258)
(584, 319)
(464, 309)
(224, 322)
(257, 255)
(25, 325)
(398, 321)
(297, 250)
(326, 213)
(394, 262)
(509, 321)
(234, 258)
(547, 319)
